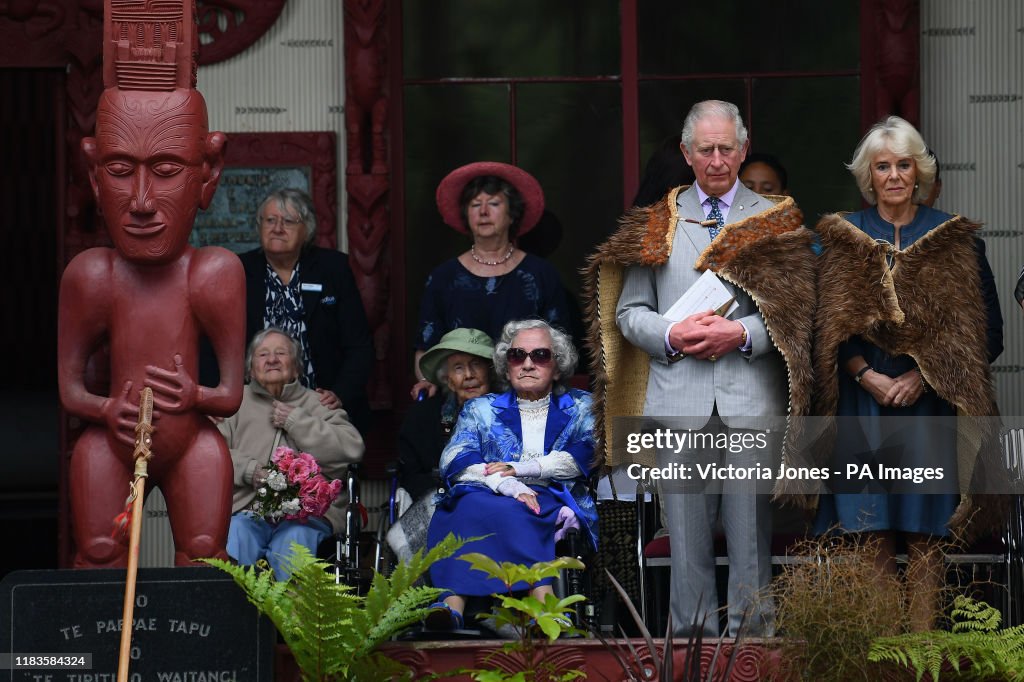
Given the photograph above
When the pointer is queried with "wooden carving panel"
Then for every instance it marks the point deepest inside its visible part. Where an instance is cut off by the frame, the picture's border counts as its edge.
(367, 176)
(227, 27)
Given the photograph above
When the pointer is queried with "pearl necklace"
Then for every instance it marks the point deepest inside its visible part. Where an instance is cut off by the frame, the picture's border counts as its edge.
(481, 261)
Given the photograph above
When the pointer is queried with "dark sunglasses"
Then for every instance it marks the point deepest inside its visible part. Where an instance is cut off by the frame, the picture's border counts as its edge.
(540, 356)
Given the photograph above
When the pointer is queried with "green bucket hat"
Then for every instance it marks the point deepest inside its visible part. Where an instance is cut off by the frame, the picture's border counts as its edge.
(460, 340)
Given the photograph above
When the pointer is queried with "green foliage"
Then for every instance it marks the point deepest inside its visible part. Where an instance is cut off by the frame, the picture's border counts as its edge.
(333, 632)
(636, 670)
(634, 663)
(830, 605)
(991, 653)
(971, 615)
(528, 615)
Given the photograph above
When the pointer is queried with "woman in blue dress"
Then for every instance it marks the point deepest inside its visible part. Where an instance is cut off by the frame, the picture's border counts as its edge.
(494, 281)
(908, 323)
(516, 467)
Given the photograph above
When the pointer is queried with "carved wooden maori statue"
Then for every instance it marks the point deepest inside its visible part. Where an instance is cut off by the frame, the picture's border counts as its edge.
(152, 164)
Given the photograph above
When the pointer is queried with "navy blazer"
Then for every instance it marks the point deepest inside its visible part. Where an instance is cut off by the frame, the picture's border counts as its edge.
(337, 330)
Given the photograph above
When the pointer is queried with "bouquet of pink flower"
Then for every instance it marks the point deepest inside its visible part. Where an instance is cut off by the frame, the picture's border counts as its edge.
(295, 489)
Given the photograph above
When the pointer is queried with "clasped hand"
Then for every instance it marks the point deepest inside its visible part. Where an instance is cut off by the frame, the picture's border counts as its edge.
(705, 334)
(174, 392)
(903, 391)
(279, 414)
(528, 497)
(503, 468)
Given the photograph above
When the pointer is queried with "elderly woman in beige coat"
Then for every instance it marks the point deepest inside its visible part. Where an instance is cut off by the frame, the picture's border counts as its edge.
(276, 411)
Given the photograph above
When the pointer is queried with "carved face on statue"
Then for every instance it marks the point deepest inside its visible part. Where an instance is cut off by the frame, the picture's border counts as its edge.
(152, 165)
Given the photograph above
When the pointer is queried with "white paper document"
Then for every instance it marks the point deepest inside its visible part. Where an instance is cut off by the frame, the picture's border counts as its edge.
(707, 293)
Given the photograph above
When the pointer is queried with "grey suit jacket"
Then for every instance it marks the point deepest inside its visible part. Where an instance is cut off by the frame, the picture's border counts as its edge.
(747, 387)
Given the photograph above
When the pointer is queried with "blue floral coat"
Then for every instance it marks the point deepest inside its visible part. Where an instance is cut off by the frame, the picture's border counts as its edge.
(490, 430)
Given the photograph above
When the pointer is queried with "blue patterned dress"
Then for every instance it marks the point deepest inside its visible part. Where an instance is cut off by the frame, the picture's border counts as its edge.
(454, 297)
(490, 430)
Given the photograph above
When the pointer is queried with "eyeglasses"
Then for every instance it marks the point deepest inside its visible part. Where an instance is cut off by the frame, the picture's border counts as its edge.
(272, 221)
(540, 356)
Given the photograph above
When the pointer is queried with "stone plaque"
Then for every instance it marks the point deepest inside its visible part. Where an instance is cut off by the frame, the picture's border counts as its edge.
(190, 625)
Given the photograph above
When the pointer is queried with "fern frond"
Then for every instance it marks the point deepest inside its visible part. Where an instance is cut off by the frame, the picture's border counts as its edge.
(409, 608)
(269, 596)
(384, 590)
(996, 654)
(331, 631)
(971, 615)
(377, 666)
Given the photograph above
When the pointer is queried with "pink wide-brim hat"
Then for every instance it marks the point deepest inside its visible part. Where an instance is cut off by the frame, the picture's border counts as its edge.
(450, 189)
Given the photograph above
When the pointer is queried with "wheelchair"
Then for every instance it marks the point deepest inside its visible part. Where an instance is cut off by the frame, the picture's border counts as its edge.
(357, 550)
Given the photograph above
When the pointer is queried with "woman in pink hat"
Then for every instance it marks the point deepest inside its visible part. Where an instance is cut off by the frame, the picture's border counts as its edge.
(493, 281)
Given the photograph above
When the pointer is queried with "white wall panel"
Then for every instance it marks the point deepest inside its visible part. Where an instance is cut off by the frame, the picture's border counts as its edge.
(972, 115)
(290, 80)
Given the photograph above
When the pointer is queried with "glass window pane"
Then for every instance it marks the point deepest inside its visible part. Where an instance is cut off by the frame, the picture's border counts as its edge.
(811, 138)
(446, 126)
(664, 104)
(785, 35)
(497, 38)
(570, 137)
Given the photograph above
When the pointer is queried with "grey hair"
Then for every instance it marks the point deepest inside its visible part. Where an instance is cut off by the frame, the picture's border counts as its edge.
(257, 338)
(898, 136)
(712, 108)
(566, 356)
(295, 200)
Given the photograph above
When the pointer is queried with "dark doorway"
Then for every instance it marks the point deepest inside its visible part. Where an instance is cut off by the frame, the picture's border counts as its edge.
(30, 139)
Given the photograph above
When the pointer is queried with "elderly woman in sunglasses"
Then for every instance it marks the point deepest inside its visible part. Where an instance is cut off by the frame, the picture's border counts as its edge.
(516, 467)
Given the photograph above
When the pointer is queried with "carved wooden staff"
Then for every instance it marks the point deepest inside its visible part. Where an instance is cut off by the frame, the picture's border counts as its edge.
(143, 439)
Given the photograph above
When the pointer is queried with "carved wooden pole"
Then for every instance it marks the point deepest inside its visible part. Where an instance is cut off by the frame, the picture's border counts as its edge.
(142, 453)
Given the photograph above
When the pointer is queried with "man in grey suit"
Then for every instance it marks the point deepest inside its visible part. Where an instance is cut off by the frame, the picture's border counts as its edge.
(712, 373)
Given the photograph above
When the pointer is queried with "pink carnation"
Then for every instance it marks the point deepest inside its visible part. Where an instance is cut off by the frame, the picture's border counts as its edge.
(309, 459)
(327, 493)
(306, 485)
(299, 471)
(309, 486)
(311, 506)
(283, 457)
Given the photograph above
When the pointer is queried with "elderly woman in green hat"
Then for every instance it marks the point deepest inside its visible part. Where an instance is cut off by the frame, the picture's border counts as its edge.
(460, 364)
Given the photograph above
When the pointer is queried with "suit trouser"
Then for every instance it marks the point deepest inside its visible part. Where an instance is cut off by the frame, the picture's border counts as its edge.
(746, 521)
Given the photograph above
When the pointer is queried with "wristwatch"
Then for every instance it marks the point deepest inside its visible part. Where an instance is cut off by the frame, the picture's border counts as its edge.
(860, 375)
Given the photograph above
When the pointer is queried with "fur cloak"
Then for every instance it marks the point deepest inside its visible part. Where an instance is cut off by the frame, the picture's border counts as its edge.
(924, 301)
(769, 255)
